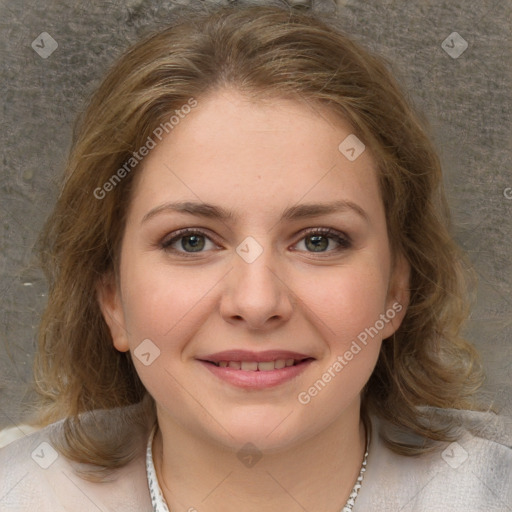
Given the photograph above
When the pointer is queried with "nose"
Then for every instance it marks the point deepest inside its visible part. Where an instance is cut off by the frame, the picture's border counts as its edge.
(256, 294)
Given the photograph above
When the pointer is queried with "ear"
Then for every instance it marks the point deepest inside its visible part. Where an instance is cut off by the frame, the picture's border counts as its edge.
(398, 296)
(109, 299)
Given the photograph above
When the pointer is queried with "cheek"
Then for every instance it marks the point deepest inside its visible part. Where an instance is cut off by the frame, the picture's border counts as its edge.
(346, 299)
(163, 303)
(161, 309)
(349, 302)
(346, 304)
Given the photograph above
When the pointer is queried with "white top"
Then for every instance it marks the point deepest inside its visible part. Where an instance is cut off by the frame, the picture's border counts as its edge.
(474, 474)
(160, 505)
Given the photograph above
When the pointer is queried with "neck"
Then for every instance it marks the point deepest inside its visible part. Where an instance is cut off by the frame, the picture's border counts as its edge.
(196, 474)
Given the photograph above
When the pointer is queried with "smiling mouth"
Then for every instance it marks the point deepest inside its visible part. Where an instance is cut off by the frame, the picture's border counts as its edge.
(261, 366)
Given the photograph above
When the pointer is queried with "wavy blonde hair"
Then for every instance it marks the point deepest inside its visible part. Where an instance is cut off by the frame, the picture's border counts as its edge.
(264, 51)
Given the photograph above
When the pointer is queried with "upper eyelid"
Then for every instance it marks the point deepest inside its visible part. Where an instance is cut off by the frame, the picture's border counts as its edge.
(180, 233)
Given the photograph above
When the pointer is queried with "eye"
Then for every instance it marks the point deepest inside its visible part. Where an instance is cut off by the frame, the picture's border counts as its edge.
(317, 240)
(188, 241)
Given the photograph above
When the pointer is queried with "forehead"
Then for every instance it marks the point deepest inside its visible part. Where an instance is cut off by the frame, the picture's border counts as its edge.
(256, 157)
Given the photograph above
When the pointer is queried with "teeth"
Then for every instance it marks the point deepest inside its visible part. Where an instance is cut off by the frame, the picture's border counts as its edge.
(266, 366)
(262, 366)
(249, 365)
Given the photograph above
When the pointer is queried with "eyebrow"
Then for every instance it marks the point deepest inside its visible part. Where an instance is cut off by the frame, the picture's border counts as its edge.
(300, 211)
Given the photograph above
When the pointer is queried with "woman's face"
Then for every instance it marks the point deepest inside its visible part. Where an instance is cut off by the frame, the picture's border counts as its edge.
(265, 280)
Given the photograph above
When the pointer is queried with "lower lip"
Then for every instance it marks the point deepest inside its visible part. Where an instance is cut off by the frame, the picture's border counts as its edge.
(257, 379)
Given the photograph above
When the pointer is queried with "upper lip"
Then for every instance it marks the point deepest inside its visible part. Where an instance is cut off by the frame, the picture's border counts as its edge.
(246, 355)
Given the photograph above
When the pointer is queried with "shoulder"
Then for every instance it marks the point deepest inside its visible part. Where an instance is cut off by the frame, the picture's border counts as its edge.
(35, 476)
(472, 473)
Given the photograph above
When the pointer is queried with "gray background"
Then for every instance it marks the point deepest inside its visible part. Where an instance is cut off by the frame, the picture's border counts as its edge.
(467, 101)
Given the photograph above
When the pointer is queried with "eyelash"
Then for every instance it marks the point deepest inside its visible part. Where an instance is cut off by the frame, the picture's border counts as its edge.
(342, 239)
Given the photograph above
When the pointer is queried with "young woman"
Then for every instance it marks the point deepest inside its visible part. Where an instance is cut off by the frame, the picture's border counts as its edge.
(255, 300)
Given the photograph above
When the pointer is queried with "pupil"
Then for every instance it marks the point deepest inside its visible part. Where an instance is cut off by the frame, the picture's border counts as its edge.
(317, 242)
(194, 242)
